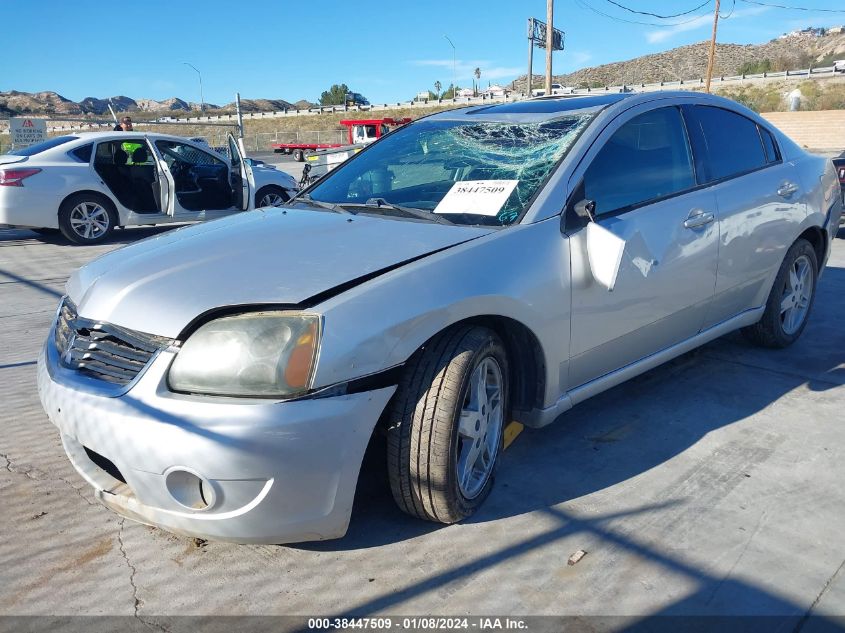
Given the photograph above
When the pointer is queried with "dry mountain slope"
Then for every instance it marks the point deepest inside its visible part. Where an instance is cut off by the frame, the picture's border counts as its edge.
(689, 62)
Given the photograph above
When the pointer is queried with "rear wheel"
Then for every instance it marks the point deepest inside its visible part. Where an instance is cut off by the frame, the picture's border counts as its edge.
(298, 155)
(790, 300)
(270, 196)
(87, 218)
(446, 425)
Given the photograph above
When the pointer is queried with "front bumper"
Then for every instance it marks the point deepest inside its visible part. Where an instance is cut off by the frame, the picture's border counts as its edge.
(280, 472)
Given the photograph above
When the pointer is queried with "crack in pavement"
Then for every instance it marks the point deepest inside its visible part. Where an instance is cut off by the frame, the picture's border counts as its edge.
(132, 571)
(815, 603)
(15, 470)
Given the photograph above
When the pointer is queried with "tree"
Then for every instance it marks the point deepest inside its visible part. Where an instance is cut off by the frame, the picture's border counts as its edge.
(336, 95)
(450, 92)
(477, 73)
(437, 87)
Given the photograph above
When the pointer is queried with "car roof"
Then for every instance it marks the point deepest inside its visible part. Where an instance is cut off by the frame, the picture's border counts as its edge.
(534, 110)
(552, 107)
(90, 136)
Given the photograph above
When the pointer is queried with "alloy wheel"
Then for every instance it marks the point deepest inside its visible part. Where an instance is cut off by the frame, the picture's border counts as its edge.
(89, 220)
(271, 199)
(798, 291)
(480, 428)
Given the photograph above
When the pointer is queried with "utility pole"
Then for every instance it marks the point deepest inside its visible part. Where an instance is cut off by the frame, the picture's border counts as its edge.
(530, 56)
(712, 55)
(550, 42)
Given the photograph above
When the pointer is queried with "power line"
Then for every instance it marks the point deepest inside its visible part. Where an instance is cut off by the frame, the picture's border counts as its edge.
(783, 6)
(657, 15)
(730, 13)
(584, 5)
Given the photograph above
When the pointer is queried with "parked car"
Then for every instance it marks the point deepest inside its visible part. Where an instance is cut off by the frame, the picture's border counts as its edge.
(356, 99)
(224, 380)
(87, 184)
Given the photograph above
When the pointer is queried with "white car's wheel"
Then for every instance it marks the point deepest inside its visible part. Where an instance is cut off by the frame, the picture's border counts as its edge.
(270, 196)
(446, 424)
(87, 218)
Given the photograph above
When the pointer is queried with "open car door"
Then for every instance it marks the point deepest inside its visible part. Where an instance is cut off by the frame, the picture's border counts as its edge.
(166, 184)
(243, 182)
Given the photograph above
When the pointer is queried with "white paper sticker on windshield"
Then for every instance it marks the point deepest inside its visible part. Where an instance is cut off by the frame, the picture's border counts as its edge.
(483, 197)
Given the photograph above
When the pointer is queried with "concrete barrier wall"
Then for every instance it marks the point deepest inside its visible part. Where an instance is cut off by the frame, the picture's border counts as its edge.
(820, 130)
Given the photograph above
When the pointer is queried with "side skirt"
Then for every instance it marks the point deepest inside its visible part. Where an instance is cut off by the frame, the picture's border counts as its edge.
(541, 417)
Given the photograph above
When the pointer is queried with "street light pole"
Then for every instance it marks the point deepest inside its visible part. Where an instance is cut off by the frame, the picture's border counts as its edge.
(454, 77)
(199, 74)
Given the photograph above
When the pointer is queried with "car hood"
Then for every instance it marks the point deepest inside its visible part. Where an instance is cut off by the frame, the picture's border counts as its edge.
(268, 256)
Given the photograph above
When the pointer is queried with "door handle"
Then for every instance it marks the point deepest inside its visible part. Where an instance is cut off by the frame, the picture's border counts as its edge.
(698, 218)
(787, 189)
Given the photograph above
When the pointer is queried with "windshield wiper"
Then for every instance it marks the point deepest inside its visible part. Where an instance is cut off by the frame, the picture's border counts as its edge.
(375, 204)
(307, 199)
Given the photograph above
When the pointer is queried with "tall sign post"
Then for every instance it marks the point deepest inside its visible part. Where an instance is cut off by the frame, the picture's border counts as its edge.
(539, 37)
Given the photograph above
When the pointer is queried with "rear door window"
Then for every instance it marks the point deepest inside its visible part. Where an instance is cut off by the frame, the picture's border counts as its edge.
(734, 145)
(769, 145)
(646, 159)
(83, 154)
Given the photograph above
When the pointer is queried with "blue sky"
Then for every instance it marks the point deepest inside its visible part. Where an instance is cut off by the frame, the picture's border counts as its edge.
(387, 50)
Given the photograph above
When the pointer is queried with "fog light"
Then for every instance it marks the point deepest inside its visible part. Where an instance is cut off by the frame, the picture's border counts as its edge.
(189, 489)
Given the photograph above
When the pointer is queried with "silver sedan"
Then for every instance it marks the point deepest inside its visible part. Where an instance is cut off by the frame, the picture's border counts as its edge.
(477, 267)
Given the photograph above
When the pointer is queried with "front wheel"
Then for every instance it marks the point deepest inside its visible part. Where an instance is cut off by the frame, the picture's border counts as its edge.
(270, 196)
(789, 303)
(298, 155)
(87, 218)
(446, 424)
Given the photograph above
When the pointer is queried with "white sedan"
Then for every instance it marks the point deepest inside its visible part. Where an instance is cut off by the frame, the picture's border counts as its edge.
(87, 184)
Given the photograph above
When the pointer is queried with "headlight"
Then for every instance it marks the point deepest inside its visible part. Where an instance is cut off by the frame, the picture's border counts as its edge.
(260, 354)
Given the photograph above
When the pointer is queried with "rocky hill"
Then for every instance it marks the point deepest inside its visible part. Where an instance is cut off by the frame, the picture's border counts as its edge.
(260, 105)
(689, 62)
(16, 102)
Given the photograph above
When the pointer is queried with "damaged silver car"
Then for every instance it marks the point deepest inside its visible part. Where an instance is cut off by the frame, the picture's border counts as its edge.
(472, 268)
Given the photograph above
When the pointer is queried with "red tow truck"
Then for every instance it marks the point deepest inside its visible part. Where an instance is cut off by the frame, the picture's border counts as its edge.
(359, 132)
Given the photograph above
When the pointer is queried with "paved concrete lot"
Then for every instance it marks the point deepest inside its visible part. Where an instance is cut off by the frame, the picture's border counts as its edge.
(712, 485)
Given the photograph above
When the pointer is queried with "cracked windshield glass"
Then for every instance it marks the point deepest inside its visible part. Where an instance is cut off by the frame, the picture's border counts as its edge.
(466, 172)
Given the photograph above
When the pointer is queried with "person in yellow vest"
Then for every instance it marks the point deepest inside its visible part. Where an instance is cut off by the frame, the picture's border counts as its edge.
(125, 125)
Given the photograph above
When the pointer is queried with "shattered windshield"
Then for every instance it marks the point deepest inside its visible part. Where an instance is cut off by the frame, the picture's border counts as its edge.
(466, 172)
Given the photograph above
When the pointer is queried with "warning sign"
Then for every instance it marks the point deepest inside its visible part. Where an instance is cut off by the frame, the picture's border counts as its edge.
(26, 131)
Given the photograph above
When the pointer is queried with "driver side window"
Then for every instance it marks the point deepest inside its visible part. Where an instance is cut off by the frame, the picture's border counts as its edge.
(174, 151)
(646, 159)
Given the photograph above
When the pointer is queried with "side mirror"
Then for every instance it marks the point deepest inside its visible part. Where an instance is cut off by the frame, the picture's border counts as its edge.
(586, 210)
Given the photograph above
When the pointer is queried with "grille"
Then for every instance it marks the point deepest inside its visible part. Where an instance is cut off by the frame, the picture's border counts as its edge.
(102, 350)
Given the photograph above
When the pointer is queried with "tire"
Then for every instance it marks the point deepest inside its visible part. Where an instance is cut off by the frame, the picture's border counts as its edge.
(428, 447)
(298, 155)
(264, 196)
(99, 212)
(790, 301)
